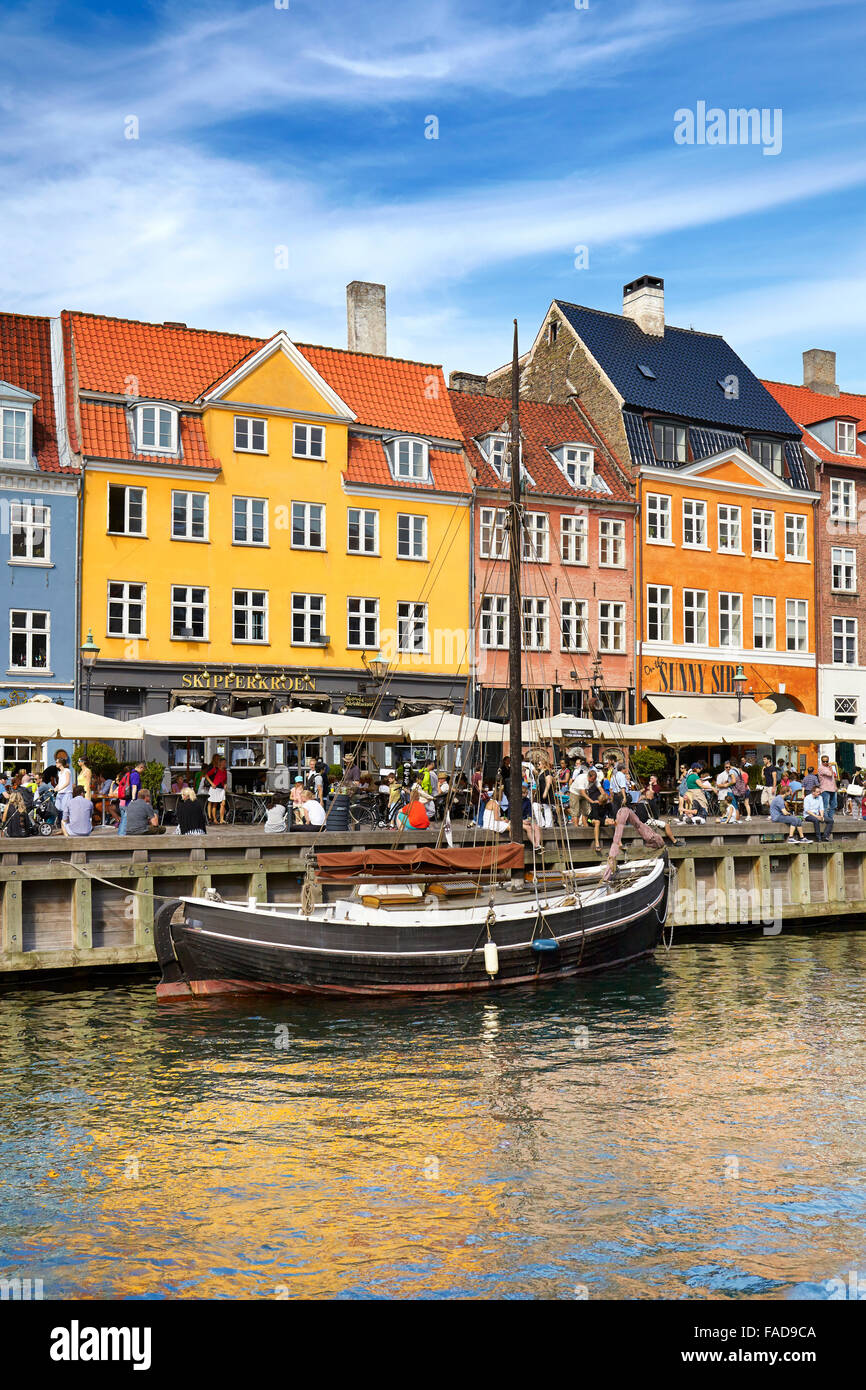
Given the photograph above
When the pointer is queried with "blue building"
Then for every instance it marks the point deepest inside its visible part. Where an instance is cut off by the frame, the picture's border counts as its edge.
(39, 487)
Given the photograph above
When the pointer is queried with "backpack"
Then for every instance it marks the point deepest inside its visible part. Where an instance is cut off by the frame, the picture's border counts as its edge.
(740, 787)
(123, 787)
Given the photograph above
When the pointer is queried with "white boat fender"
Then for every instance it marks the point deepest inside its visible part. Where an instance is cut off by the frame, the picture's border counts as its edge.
(491, 958)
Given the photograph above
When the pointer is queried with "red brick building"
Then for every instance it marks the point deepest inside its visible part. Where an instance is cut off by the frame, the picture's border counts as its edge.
(577, 567)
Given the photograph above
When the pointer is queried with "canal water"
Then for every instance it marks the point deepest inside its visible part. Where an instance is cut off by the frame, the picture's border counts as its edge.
(692, 1127)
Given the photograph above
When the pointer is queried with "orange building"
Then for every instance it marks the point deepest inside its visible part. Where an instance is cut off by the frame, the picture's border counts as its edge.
(726, 578)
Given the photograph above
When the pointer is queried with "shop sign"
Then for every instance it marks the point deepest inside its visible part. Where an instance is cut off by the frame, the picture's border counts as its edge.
(692, 678)
(258, 682)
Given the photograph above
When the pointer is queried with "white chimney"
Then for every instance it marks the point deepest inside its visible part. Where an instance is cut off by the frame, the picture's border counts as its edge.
(819, 371)
(365, 316)
(644, 302)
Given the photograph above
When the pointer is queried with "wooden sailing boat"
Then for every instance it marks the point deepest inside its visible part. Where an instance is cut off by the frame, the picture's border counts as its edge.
(423, 919)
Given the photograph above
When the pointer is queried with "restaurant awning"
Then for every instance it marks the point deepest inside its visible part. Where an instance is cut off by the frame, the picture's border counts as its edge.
(708, 709)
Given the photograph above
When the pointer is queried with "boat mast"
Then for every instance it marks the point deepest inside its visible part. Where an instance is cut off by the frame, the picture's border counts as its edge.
(515, 626)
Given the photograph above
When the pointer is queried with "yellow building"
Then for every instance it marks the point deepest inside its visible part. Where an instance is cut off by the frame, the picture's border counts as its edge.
(261, 520)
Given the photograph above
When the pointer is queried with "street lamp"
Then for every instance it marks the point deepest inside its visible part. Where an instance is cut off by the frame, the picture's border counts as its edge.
(89, 653)
(739, 690)
(376, 665)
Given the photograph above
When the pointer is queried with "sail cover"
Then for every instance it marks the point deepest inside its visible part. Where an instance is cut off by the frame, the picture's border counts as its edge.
(418, 860)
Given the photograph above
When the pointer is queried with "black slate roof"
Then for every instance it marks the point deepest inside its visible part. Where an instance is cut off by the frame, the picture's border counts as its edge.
(688, 368)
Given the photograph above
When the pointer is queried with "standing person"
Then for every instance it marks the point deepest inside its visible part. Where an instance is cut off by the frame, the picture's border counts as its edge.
(215, 780)
(128, 791)
(769, 778)
(828, 783)
(620, 786)
(740, 791)
(545, 794)
(599, 806)
(63, 793)
(78, 816)
(190, 814)
(810, 782)
(697, 788)
(85, 777)
(351, 776)
(578, 802)
(14, 819)
(813, 811)
(505, 771)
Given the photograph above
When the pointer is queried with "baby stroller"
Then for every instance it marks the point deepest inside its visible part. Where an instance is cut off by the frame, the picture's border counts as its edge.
(43, 814)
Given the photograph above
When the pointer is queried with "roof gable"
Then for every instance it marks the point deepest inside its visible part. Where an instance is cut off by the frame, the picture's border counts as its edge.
(278, 374)
(732, 469)
(26, 368)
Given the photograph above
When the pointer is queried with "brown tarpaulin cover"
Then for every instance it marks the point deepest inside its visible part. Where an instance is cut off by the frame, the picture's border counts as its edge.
(361, 863)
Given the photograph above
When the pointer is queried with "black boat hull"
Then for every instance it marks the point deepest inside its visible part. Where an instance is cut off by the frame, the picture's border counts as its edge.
(221, 949)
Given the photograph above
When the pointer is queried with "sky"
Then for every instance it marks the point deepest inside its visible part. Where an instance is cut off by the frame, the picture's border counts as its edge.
(235, 165)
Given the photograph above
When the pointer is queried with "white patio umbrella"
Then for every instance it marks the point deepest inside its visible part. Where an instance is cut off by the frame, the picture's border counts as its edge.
(306, 723)
(792, 726)
(185, 721)
(676, 731)
(41, 719)
(549, 728)
(443, 726)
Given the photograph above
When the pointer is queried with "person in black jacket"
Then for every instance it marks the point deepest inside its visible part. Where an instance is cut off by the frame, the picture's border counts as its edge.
(190, 814)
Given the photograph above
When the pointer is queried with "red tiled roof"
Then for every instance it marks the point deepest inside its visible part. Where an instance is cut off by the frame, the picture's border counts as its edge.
(368, 463)
(388, 393)
(808, 407)
(544, 427)
(105, 435)
(153, 360)
(25, 361)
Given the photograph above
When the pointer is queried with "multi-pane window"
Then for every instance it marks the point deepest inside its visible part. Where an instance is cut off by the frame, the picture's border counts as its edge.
(730, 620)
(308, 526)
(362, 622)
(497, 450)
(795, 537)
(659, 606)
(764, 622)
(363, 531)
(29, 640)
(843, 500)
(13, 435)
(694, 523)
(189, 612)
(577, 465)
(695, 616)
(308, 441)
(411, 537)
(29, 531)
(843, 569)
(573, 540)
(611, 627)
(251, 434)
(308, 619)
(730, 529)
(189, 515)
(763, 533)
(669, 442)
(658, 518)
(250, 521)
(536, 536)
(126, 609)
(126, 510)
(845, 707)
(250, 615)
(536, 624)
(769, 453)
(494, 621)
(493, 534)
(611, 543)
(412, 627)
(796, 624)
(156, 427)
(845, 641)
(574, 624)
(410, 459)
(846, 437)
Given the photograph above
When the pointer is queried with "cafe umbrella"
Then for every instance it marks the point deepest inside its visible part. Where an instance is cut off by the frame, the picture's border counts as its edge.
(42, 719)
(187, 722)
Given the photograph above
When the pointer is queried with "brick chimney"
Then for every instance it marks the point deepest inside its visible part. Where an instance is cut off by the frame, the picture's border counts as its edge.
(365, 317)
(468, 382)
(643, 301)
(819, 371)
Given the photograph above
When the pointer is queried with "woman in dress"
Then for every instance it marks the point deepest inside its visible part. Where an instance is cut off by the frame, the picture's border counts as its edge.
(215, 780)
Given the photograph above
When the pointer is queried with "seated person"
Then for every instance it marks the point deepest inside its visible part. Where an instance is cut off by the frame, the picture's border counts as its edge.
(414, 816)
(813, 811)
(78, 816)
(780, 813)
(313, 811)
(191, 819)
(276, 819)
(141, 819)
(494, 817)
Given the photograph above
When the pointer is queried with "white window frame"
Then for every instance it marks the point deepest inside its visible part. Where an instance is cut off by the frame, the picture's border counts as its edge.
(30, 632)
(660, 504)
(127, 489)
(846, 437)
(368, 608)
(843, 500)
(577, 462)
(759, 527)
(158, 411)
(797, 612)
(415, 467)
(303, 441)
(127, 602)
(698, 610)
(26, 450)
(769, 453)
(844, 630)
(796, 537)
(536, 538)
(414, 518)
(362, 513)
(535, 624)
(243, 603)
(306, 509)
(843, 565)
(417, 617)
(574, 538)
(189, 603)
(493, 537)
(729, 521)
(495, 619)
(731, 608)
(308, 611)
(695, 513)
(660, 599)
(611, 540)
(761, 617)
(23, 520)
(248, 521)
(495, 451)
(188, 505)
(574, 618)
(611, 625)
(246, 423)
(680, 440)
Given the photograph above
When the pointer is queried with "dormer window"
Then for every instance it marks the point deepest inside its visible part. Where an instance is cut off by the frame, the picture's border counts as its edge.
(578, 464)
(157, 429)
(769, 453)
(15, 432)
(410, 459)
(669, 441)
(846, 437)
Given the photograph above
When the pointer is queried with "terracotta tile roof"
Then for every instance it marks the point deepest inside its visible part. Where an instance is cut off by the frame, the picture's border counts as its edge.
(543, 427)
(388, 393)
(808, 407)
(166, 363)
(105, 435)
(368, 463)
(25, 361)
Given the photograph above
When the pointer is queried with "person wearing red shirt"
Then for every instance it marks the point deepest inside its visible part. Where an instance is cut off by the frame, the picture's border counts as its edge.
(414, 816)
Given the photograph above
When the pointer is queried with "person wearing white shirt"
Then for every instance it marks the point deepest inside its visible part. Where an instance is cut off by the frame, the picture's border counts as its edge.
(578, 801)
(813, 810)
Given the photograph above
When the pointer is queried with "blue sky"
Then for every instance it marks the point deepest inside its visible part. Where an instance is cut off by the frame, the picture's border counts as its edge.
(304, 128)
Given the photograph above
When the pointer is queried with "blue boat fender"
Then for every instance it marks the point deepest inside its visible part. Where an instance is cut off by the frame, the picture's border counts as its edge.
(545, 943)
